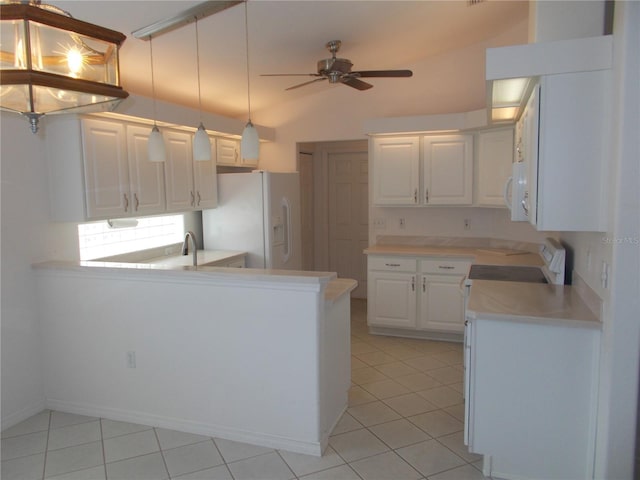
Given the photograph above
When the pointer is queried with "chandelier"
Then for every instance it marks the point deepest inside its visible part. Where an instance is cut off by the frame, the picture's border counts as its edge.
(52, 63)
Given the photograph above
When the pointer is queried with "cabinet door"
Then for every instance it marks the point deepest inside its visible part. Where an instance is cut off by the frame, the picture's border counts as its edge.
(228, 151)
(447, 170)
(206, 180)
(181, 195)
(441, 303)
(146, 178)
(396, 166)
(495, 157)
(105, 169)
(392, 299)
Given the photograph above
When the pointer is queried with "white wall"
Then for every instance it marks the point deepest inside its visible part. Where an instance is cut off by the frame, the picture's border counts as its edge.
(28, 237)
(25, 239)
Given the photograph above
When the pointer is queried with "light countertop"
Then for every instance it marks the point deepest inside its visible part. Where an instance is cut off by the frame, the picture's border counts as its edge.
(480, 256)
(529, 302)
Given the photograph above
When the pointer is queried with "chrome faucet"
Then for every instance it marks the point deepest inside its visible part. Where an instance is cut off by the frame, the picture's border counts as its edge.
(185, 247)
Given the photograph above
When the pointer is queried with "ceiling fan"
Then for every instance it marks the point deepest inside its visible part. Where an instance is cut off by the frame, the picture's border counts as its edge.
(338, 70)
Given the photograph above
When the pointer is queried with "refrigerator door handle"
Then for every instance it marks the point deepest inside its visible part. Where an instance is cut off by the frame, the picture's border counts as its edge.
(286, 221)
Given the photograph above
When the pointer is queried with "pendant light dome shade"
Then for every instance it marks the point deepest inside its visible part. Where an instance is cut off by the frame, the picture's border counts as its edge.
(201, 145)
(155, 146)
(250, 143)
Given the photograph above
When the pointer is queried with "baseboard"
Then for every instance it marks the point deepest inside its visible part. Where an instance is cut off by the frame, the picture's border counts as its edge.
(189, 426)
(420, 334)
(22, 414)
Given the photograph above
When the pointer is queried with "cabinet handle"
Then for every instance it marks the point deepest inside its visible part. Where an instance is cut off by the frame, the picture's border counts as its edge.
(137, 202)
(126, 202)
(415, 196)
(424, 284)
(235, 154)
(392, 264)
(426, 196)
(193, 198)
(446, 267)
(525, 208)
(199, 198)
(413, 284)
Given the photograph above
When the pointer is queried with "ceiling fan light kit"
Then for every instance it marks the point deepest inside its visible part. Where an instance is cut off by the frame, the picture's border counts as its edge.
(52, 63)
(338, 70)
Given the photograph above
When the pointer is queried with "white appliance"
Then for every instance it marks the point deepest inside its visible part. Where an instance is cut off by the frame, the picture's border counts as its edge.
(515, 192)
(258, 212)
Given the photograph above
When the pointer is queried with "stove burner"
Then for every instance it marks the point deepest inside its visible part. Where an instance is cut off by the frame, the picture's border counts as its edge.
(507, 273)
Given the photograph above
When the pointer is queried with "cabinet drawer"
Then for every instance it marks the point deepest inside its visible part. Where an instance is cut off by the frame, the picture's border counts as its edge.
(446, 266)
(392, 264)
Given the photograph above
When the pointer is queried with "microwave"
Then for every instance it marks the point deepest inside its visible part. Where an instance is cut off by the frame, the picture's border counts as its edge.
(515, 193)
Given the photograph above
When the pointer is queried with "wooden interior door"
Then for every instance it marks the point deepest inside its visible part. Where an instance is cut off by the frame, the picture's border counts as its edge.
(348, 215)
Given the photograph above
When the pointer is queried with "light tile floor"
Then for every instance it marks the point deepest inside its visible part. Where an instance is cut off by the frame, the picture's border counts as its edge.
(404, 422)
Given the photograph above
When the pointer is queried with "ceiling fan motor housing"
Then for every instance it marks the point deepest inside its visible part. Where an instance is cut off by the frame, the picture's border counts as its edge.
(334, 65)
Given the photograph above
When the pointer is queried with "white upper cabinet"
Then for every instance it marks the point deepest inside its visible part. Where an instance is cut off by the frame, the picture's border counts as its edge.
(106, 169)
(568, 168)
(190, 184)
(181, 195)
(146, 178)
(447, 170)
(229, 154)
(99, 169)
(396, 170)
(495, 158)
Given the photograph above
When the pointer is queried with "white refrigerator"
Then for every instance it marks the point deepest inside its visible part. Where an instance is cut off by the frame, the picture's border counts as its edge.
(258, 212)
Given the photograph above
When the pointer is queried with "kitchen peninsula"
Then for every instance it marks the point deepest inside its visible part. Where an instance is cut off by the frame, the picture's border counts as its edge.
(258, 356)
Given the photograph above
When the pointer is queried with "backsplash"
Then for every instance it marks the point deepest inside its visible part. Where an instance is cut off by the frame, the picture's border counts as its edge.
(469, 242)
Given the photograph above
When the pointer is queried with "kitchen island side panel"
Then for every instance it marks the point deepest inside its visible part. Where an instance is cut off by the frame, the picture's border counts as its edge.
(237, 362)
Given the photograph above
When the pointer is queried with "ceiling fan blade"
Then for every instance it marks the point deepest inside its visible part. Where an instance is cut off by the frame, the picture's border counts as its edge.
(383, 73)
(305, 83)
(290, 75)
(355, 83)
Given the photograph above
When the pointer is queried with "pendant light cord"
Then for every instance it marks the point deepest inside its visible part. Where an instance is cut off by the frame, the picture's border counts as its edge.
(198, 69)
(153, 85)
(246, 30)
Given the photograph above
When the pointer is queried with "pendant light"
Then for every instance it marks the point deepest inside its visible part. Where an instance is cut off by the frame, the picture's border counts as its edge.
(201, 142)
(155, 145)
(250, 143)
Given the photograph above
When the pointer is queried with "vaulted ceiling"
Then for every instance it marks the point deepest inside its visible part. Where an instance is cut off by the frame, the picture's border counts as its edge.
(286, 37)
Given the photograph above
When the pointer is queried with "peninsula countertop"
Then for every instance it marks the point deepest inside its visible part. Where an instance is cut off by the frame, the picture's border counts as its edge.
(529, 302)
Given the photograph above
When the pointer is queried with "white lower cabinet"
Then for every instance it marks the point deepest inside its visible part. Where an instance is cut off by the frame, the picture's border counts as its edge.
(416, 296)
(531, 397)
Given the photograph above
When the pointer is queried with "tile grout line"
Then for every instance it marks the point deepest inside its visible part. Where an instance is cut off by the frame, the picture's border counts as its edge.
(104, 455)
(164, 462)
(46, 446)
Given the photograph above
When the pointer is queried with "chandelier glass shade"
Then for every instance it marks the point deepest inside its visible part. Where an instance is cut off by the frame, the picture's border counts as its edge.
(52, 63)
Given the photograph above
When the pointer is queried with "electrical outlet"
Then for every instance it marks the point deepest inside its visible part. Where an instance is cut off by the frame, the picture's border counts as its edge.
(379, 223)
(131, 359)
(402, 223)
(467, 224)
